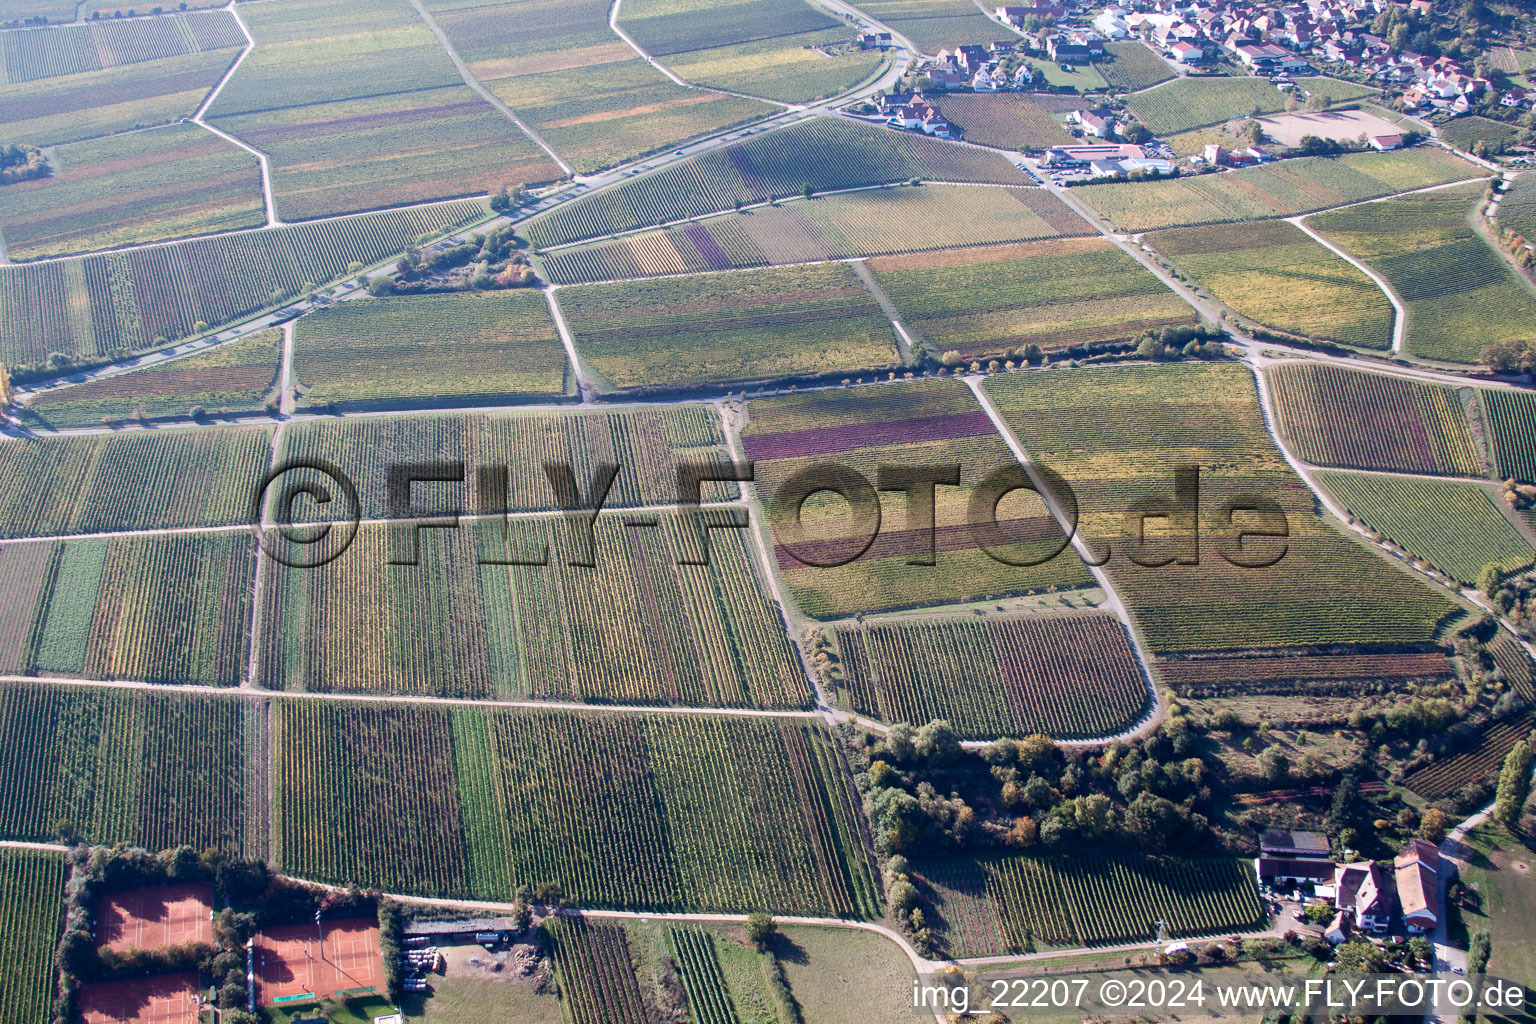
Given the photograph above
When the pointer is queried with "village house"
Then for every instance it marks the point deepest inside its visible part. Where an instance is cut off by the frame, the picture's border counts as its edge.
(1279, 842)
(1418, 885)
(1289, 872)
(1363, 891)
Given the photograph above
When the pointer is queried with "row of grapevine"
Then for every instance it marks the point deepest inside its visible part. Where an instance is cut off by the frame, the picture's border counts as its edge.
(1477, 762)
(709, 1000)
(108, 766)
(597, 977)
(1335, 416)
(644, 812)
(31, 917)
(94, 305)
(1511, 420)
(1068, 676)
(31, 54)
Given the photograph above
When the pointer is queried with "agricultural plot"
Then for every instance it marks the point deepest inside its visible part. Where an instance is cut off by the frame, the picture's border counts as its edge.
(1299, 672)
(1456, 528)
(32, 54)
(682, 332)
(822, 154)
(94, 305)
(482, 615)
(1511, 421)
(133, 481)
(703, 974)
(31, 918)
(96, 103)
(933, 25)
(1517, 209)
(664, 28)
(1460, 293)
(1271, 272)
(1195, 102)
(1335, 416)
(233, 378)
(996, 302)
(1117, 434)
(1012, 904)
(1006, 120)
(1515, 666)
(1068, 676)
(1131, 66)
(648, 444)
(868, 223)
(838, 561)
(1475, 763)
(597, 975)
(1272, 190)
(641, 812)
(458, 347)
(1466, 132)
(164, 608)
(147, 186)
(111, 765)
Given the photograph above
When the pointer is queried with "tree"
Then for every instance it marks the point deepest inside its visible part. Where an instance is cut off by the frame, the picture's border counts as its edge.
(1317, 102)
(1024, 833)
(1516, 357)
(7, 394)
(1152, 819)
(937, 743)
(1275, 765)
(1135, 133)
(1514, 786)
(760, 928)
(1489, 579)
(1434, 825)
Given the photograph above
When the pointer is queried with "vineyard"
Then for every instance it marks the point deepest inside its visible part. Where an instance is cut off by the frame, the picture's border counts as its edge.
(95, 305)
(235, 378)
(1070, 676)
(1117, 433)
(667, 27)
(821, 154)
(1514, 665)
(1015, 904)
(934, 24)
(869, 223)
(1195, 102)
(1456, 528)
(1466, 132)
(459, 346)
(1511, 420)
(1005, 120)
(163, 608)
(1272, 190)
(1517, 209)
(33, 54)
(31, 918)
(1460, 293)
(1302, 672)
(698, 965)
(906, 423)
(996, 302)
(597, 977)
(1132, 66)
(1333, 416)
(184, 181)
(646, 443)
(725, 328)
(791, 69)
(641, 812)
(110, 765)
(1476, 763)
(639, 628)
(131, 481)
(1273, 273)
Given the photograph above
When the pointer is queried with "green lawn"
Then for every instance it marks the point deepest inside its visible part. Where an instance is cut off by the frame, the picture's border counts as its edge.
(1500, 870)
(846, 975)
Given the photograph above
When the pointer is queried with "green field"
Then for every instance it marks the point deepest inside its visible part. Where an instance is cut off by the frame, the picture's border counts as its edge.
(1460, 293)
(933, 25)
(639, 812)
(918, 422)
(868, 223)
(1006, 120)
(1499, 872)
(1069, 676)
(148, 186)
(1456, 528)
(701, 329)
(31, 918)
(1271, 272)
(996, 302)
(1272, 190)
(154, 769)
(95, 305)
(843, 976)
(1116, 435)
(459, 346)
(822, 154)
(1517, 210)
(1014, 904)
(1335, 416)
(234, 378)
(638, 628)
(163, 608)
(1131, 66)
(1511, 419)
(132, 481)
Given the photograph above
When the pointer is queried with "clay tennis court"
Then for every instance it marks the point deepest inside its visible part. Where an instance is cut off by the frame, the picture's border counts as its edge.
(167, 999)
(164, 915)
(291, 961)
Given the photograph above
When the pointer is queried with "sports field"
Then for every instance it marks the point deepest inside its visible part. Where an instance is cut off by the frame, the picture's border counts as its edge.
(154, 918)
(332, 958)
(161, 999)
